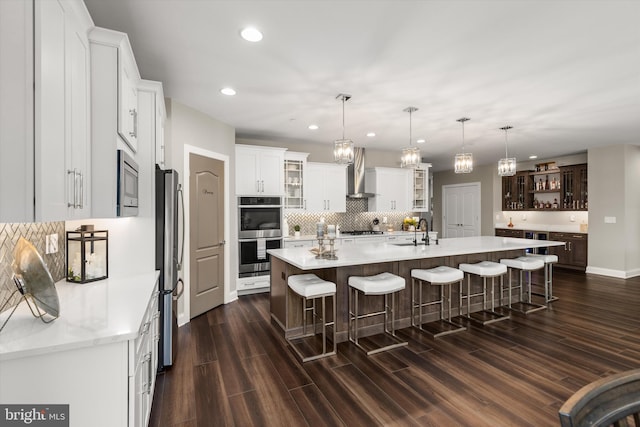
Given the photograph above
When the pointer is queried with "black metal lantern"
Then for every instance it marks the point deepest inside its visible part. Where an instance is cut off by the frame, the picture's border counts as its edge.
(87, 255)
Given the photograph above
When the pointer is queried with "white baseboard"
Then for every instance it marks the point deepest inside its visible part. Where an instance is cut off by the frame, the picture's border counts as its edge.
(619, 274)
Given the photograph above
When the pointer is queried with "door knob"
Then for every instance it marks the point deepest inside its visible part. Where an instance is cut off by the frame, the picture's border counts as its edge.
(222, 243)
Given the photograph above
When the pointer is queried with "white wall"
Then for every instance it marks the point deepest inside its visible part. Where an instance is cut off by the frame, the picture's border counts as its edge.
(614, 173)
(193, 129)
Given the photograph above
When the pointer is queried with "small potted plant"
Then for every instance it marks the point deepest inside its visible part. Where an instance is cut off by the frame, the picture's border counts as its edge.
(296, 231)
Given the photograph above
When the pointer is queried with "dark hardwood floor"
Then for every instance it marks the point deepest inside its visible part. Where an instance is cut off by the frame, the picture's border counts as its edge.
(234, 368)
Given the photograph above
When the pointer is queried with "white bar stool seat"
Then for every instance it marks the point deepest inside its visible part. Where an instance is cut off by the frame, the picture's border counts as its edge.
(311, 287)
(522, 264)
(380, 284)
(549, 260)
(439, 276)
(483, 269)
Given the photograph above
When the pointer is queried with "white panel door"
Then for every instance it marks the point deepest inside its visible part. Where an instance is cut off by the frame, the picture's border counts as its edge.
(461, 213)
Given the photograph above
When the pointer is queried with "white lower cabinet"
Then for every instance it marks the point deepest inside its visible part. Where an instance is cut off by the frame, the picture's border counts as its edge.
(105, 385)
(299, 243)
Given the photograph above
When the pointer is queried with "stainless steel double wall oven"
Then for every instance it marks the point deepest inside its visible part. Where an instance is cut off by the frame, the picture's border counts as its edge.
(260, 228)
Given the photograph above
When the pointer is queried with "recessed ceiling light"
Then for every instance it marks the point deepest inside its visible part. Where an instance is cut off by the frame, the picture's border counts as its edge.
(533, 157)
(313, 127)
(227, 91)
(251, 34)
(371, 134)
(420, 141)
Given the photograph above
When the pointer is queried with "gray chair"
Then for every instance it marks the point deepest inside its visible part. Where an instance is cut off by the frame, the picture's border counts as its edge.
(614, 400)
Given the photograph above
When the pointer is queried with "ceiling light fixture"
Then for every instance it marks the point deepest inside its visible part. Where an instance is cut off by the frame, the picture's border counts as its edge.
(313, 127)
(463, 161)
(251, 34)
(410, 155)
(421, 141)
(533, 157)
(371, 134)
(506, 166)
(343, 148)
(227, 91)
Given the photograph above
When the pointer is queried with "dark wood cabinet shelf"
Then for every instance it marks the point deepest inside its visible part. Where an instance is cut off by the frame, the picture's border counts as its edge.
(519, 191)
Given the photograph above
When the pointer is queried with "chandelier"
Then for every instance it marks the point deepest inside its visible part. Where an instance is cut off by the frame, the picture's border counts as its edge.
(410, 155)
(463, 161)
(343, 148)
(506, 166)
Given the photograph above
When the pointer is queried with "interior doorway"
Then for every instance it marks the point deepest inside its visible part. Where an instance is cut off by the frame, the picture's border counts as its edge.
(461, 210)
(206, 233)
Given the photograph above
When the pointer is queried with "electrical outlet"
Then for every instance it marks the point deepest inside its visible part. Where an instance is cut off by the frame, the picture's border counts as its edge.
(51, 243)
(609, 219)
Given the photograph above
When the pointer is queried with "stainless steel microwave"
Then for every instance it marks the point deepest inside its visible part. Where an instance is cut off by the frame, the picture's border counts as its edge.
(127, 185)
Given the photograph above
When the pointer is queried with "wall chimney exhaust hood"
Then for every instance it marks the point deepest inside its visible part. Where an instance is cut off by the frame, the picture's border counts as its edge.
(355, 176)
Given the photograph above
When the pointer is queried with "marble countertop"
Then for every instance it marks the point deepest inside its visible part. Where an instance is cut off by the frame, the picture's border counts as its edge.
(105, 311)
(374, 253)
(351, 236)
(568, 228)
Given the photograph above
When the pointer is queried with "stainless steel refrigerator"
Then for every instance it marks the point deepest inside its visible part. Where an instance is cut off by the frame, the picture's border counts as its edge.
(169, 204)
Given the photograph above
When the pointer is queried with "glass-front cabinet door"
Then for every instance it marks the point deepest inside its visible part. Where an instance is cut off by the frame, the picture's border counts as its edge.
(294, 180)
(421, 194)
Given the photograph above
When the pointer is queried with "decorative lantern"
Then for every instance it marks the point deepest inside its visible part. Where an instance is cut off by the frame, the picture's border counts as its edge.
(87, 255)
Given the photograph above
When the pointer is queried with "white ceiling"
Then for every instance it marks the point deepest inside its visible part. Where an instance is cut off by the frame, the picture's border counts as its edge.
(565, 74)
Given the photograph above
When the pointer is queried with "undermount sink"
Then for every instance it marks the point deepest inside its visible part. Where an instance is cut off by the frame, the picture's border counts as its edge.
(404, 244)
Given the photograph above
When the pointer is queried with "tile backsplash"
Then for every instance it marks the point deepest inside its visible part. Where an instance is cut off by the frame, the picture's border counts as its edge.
(35, 233)
(356, 218)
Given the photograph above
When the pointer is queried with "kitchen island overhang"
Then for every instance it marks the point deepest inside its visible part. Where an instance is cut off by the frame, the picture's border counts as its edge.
(370, 259)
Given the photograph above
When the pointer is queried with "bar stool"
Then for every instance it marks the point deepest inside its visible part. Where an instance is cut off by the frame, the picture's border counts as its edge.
(523, 264)
(311, 287)
(381, 284)
(549, 260)
(484, 269)
(441, 277)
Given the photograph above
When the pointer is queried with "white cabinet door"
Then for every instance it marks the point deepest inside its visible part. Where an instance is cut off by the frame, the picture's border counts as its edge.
(247, 173)
(54, 187)
(326, 187)
(391, 187)
(128, 78)
(272, 173)
(259, 171)
(335, 180)
(78, 141)
(16, 112)
(44, 110)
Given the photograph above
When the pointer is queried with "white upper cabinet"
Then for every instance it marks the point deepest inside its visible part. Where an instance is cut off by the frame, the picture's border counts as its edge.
(392, 189)
(421, 198)
(44, 111)
(295, 167)
(111, 68)
(326, 187)
(259, 171)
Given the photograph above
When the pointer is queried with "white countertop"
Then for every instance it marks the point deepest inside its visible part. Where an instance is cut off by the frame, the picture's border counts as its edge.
(351, 236)
(567, 228)
(388, 252)
(105, 311)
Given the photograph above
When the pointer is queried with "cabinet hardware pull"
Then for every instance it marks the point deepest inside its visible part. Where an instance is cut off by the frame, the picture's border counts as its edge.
(134, 114)
(258, 186)
(81, 192)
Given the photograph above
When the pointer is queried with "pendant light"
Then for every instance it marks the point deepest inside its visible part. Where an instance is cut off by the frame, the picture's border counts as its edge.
(506, 166)
(410, 155)
(343, 148)
(463, 161)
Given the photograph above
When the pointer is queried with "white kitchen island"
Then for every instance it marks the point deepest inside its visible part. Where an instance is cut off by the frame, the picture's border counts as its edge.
(99, 356)
(365, 260)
